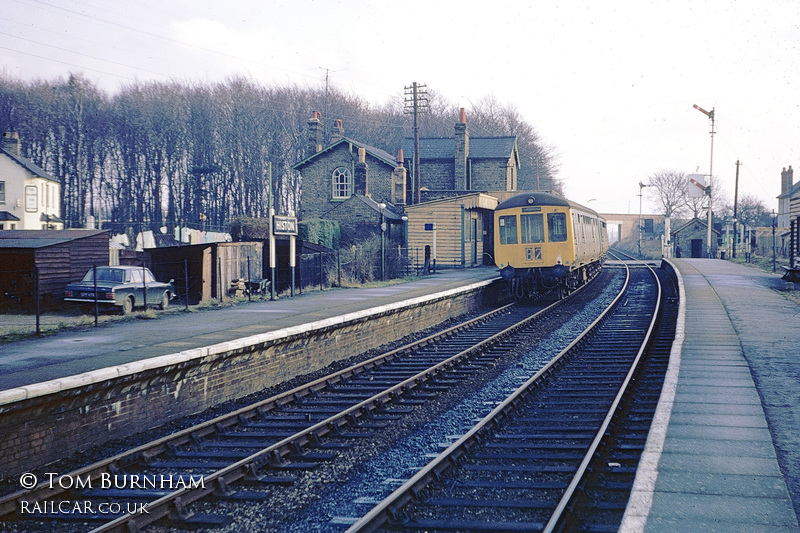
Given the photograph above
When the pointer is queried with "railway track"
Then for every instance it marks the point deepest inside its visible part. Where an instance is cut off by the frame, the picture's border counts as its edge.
(526, 465)
(239, 456)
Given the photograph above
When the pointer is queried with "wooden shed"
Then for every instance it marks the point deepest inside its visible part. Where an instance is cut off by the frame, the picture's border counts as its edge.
(205, 271)
(58, 256)
(457, 231)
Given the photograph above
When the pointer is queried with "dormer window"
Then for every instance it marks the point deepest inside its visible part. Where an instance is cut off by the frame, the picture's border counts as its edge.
(341, 183)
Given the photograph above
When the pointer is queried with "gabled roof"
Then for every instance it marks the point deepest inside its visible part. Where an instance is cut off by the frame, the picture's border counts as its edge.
(28, 165)
(32, 238)
(479, 147)
(377, 153)
(692, 221)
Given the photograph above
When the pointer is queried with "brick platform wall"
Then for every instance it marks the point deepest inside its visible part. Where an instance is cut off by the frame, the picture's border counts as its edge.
(48, 427)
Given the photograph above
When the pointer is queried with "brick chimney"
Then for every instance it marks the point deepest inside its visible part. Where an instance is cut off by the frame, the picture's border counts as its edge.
(461, 152)
(787, 179)
(399, 175)
(361, 179)
(314, 134)
(11, 142)
(338, 131)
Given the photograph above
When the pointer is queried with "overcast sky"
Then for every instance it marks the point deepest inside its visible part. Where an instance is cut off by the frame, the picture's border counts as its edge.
(608, 84)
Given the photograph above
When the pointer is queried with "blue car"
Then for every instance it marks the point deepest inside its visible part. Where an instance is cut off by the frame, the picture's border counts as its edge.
(122, 287)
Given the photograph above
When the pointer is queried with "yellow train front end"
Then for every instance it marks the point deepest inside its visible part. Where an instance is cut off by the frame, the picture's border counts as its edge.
(542, 243)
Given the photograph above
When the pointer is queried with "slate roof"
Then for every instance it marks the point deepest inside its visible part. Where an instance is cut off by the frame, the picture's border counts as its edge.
(389, 212)
(29, 165)
(693, 221)
(377, 153)
(479, 147)
(793, 190)
(30, 238)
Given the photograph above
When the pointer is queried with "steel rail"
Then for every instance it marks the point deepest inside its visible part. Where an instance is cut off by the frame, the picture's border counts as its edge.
(11, 502)
(175, 503)
(391, 505)
(582, 469)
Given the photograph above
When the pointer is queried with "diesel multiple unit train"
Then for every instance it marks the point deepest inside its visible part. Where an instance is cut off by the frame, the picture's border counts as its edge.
(544, 242)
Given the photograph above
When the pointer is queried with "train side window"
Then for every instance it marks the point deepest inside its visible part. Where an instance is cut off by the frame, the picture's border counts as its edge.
(508, 229)
(556, 227)
(532, 228)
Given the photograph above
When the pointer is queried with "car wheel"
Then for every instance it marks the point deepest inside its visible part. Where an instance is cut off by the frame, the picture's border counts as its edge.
(127, 305)
(165, 300)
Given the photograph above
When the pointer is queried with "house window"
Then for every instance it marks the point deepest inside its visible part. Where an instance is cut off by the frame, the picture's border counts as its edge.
(2, 192)
(341, 183)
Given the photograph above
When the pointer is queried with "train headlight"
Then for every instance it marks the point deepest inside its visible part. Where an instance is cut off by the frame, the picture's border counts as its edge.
(507, 273)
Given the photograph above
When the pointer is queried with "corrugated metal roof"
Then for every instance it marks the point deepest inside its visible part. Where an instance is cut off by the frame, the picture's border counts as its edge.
(29, 165)
(26, 238)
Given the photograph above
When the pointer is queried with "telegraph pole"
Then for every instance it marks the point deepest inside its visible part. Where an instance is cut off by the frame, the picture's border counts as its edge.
(416, 101)
(325, 107)
(735, 206)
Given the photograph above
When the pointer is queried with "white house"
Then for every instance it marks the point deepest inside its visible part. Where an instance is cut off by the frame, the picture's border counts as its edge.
(30, 198)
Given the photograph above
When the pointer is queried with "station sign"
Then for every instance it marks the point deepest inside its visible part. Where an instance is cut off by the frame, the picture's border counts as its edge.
(284, 225)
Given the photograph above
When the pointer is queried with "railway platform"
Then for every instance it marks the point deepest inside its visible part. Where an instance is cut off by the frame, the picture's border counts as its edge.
(69, 353)
(724, 450)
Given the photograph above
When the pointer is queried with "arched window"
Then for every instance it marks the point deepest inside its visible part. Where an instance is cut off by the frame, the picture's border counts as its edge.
(341, 183)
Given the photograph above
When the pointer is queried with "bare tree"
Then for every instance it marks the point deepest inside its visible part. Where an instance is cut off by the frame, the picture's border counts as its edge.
(538, 167)
(173, 154)
(752, 212)
(668, 188)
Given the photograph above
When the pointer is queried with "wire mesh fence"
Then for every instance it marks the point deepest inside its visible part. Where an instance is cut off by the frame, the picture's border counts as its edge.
(26, 300)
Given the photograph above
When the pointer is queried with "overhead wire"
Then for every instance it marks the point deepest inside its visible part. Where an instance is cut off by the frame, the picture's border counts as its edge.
(398, 121)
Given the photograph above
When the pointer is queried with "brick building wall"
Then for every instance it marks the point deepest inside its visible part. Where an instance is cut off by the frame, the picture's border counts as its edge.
(491, 175)
(317, 175)
(437, 175)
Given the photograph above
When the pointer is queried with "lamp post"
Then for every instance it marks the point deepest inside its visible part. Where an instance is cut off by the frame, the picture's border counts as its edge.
(382, 206)
(774, 227)
(710, 115)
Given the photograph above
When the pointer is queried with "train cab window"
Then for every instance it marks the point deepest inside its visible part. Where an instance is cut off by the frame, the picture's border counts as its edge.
(508, 229)
(557, 227)
(532, 228)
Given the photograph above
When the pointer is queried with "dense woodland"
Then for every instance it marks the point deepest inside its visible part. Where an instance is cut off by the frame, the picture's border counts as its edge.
(177, 154)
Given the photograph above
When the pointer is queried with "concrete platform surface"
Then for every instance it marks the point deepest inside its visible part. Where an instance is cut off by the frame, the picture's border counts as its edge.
(69, 353)
(724, 451)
